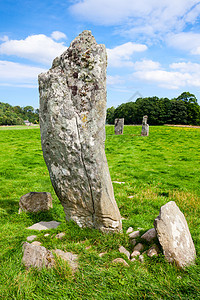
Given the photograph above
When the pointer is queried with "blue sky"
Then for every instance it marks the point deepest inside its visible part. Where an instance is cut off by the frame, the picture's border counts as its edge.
(153, 46)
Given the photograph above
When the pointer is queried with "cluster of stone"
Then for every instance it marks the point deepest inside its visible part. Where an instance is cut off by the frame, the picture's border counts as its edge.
(72, 123)
(119, 126)
(145, 127)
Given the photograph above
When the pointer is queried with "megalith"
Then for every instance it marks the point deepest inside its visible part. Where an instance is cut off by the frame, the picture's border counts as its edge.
(119, 126)
(174, 235)
(72, 124)
(145, 127)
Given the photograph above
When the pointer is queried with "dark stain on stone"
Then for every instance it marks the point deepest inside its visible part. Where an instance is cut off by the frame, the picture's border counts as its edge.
(75, 75)
(74, 90)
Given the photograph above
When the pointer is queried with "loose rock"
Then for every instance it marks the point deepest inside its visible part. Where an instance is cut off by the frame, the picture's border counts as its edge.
(31, 238)
(134, 234)
(123, 250)
(129, 230)
(72, 123)
(120, 260)
(153, 251)
(174, 235)
(139, 247)
(71, 258)
(60, 235)
(44, 225)
(35, 202)
(150, 235)
(135, 253)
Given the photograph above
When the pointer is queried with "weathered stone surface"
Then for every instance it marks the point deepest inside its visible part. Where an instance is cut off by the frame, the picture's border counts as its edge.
(129, 230)
(44, 225)
(134, 234)
(141, 258)
(150, 235)
(60, 235)
(119, 126)
(174, 235)
(71, 258)
(36, 243)
(31, 238)
(120, 260)
(139, 247)
(37, 256)
(153, 251)
(72, 122)
(126, 252)
(35, 202)
(145, 127)
(135, 253)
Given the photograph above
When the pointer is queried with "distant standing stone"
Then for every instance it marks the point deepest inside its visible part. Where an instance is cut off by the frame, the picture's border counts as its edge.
(174, 235)
(119, 126)
(35, 202)
(145, 127)
(72, 123)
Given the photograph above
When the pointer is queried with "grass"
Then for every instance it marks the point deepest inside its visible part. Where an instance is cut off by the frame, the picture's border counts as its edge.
(155, 169)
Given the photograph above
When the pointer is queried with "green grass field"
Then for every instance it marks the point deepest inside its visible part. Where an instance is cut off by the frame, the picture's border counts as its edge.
(156, 169)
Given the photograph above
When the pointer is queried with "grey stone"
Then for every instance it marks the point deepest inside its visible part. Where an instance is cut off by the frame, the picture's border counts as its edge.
(134, 234)
(126, 252)
(36, 243)
(72, 123)
(150, 235)
(119, 126)
(153, 251)
(174, 235)
(35, 202)
(139, 247)
(141, 258)
(129, 230)
(71, 258)
(133, 242)
(133, 259)
(120, 260)
(44, 225)
(60, 235)
(31, 238)
(145, 127)
(37, 256)
(135, 253)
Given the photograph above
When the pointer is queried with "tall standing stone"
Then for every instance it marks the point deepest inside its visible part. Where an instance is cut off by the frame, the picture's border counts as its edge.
(145, 127)
(72, 123)
(174, 235)
(119, 126)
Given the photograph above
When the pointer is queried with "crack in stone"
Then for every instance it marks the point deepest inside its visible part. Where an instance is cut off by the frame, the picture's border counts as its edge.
(84, 166)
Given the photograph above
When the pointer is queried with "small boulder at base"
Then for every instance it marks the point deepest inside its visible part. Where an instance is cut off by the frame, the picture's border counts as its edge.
(120, 260)
(35, 202)
(44, 225)
(71, 258)
(150, 235)
(174, 235)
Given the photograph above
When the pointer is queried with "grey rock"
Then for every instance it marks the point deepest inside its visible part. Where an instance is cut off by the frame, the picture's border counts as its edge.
(135, 253)
(35, 202)
(133, 242)
(44, 225)
(150, 235)
(141, 258)
(133, 259)
(60, 235)
(153, 251)
(139, 247)
(174, 235)
(36, 243)
(145, 127)
(37, 256)
(31, 238)
(72, 123)
(71, 258)
(129, 230)
(119, 126)
(120, 260)
(126, 252)
(134, 234)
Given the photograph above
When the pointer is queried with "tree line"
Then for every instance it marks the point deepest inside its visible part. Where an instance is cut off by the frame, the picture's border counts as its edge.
(16, 115)
(181, 110)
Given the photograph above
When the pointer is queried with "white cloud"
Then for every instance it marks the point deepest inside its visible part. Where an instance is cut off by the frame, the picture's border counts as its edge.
(39, 48)
(15, 74)
(4, 38)
(187, 41)
(57, 35)
(114, 80)
(120, 56)
(149, 17)
(179, 74)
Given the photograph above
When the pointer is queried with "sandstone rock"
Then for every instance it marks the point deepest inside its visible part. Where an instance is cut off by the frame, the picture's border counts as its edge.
(71, 258)
(72, 123)
(60, 235)
(145, 127)
(134, 234)
(129, 230)
(153, 251)
(174, 235)
(139, 247)
(120, 260)
(135, 253)
(36, 243)
(35, 202)
(150, 235)
(31, 238)
(44, 225)
(119, 126)
(126, 252)
(37, 256)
